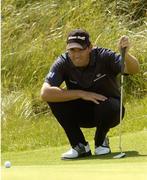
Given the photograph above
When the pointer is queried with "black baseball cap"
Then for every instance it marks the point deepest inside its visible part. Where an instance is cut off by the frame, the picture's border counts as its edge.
(78, 38)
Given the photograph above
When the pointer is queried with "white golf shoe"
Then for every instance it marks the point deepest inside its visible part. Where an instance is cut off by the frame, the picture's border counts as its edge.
(104, 148)
(78, 151)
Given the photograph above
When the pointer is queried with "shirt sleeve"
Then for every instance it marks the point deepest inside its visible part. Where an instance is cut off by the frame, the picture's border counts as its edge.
(55, 76)
(113, 62)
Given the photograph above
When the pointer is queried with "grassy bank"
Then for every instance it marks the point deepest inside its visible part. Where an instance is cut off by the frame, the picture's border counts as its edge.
(43, 130)
(34, 34)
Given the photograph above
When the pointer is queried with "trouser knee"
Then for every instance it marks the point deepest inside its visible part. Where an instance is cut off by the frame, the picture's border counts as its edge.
(108, 113)
(60, 110)
(66, 116)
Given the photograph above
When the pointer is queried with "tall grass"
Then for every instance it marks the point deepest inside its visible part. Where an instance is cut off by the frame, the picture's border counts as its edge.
(42, 130)
(33, 35)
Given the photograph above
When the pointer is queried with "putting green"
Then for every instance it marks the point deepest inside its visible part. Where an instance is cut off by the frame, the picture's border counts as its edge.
(111, 171)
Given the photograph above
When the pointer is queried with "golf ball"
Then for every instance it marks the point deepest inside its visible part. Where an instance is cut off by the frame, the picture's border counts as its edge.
(7, 164)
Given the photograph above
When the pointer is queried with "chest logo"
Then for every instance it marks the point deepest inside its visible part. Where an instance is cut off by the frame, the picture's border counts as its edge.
(99, 76)
(74, 82)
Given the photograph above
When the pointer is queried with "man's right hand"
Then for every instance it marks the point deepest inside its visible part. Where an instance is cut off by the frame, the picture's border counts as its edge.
(91, 96)
(55, 94)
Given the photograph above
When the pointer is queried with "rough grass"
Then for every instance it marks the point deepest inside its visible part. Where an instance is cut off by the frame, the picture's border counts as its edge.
(33, 35)
(23, 134)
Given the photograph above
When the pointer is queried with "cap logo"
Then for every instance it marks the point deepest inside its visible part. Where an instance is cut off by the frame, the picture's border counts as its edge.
(77, 37)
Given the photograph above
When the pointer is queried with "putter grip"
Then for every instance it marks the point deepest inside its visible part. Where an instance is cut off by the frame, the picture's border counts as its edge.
(123, 51)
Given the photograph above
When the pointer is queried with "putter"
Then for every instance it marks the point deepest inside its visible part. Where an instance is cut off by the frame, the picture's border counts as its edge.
(121, 154)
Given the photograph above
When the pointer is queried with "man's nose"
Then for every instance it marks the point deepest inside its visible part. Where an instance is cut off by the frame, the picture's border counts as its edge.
(77, 54)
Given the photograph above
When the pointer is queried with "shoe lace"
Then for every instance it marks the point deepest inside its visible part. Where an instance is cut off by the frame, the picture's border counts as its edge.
(80, 148)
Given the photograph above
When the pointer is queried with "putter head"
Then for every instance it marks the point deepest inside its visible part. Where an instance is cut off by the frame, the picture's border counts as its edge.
(121, 155)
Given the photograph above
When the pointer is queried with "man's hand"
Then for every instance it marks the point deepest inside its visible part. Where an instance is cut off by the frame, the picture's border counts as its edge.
(131, 63)
(56, 94)
(91, 96)
(124, 42)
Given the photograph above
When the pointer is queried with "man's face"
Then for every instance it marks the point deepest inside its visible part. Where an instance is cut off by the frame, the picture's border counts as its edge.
(79, 57)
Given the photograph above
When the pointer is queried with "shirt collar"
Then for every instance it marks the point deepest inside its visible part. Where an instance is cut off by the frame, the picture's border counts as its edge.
(92, 58)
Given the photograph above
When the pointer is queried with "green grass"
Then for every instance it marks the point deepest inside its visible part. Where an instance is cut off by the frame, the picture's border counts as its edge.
(134, 144)
(111, 171)
(19, 134)
(33, 35)
(46, 164)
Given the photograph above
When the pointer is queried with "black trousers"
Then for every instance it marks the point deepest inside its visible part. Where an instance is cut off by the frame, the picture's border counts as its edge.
(72, 115)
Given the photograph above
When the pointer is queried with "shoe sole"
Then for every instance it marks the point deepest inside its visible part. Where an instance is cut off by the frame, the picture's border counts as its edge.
(103, 154)
(80, 156)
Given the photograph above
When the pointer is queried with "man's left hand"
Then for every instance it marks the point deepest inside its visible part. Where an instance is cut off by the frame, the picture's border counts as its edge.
(124, 42)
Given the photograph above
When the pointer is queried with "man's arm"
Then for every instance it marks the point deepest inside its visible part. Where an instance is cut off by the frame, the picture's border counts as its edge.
(131, 63)
(56, 94)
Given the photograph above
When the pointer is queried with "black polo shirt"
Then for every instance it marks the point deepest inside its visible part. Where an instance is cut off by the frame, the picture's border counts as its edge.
(99, 76)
